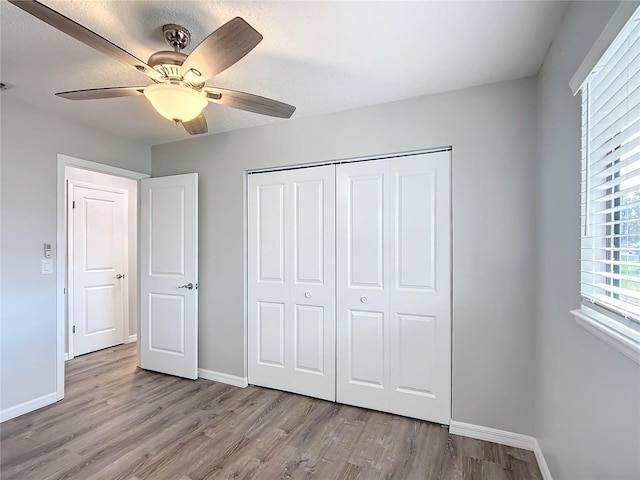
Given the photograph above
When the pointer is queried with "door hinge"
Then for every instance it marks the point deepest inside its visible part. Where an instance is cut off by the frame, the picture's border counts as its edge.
(73, 204)
(64, 291)
(74, 329)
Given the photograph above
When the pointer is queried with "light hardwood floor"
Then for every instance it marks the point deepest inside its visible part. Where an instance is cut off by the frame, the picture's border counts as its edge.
(120, 422)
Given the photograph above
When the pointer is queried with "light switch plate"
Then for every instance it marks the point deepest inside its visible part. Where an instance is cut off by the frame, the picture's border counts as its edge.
(47, 266)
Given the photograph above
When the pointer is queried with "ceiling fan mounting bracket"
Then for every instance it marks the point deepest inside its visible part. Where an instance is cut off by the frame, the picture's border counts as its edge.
(176, 36)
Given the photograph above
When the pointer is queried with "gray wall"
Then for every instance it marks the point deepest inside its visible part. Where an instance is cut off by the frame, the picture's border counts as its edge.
(30, 142)
(587, 394)
(491, 129)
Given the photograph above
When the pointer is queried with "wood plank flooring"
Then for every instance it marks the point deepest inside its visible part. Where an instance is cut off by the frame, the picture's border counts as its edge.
(120, 422)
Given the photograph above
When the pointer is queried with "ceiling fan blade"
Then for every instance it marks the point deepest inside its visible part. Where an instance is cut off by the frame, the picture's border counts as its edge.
(96, 93)
(83, 34)
(249, 102)
(221, 49)
(196, 126)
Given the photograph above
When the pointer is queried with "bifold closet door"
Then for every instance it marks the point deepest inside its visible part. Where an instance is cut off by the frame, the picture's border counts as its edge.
(291, 280)
(394, 285)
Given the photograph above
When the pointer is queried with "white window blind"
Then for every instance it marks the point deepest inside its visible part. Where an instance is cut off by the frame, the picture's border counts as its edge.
(610, 194)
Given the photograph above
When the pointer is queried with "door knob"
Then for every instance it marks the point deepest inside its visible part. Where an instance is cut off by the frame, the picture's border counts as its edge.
(188, 286)
(119, 276)
(307, 294)
(363, 299)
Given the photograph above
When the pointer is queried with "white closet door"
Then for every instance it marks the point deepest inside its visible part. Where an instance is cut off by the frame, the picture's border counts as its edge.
(420, 287)
(292, 281)
(394, 286)
(312, 289)
(363, 284)
(268, 283)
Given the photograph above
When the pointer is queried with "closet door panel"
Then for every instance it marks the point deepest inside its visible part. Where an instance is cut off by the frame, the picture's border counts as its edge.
(414, 347)
(312, 291)
(365, 363)
(365, 230)
(270, 225)
(270, 341)
(309, 339)
(268, 280)
(309, 229)
(420, 290)
(415, 231)
(363, 284)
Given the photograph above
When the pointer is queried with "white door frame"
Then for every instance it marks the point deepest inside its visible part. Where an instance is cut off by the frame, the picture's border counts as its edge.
(61, 250)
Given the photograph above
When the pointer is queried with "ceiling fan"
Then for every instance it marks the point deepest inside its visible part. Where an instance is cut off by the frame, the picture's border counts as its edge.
(178, 91)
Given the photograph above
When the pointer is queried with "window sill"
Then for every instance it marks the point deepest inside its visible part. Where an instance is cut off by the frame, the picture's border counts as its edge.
(625, 339)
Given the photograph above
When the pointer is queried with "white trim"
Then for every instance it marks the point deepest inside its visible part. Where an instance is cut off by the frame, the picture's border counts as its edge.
(350, 160)
(132, 339)
(608, 35)
(100, 167)
(69, 222)
(542, 463)
(502, 437)
(29, 406)
(223, 378)
(61, 251)
(494, 435)
(245, 270)
(619, 336)
(66, 357)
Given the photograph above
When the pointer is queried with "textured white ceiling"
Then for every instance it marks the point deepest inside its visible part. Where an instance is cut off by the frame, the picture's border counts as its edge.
(321, 56)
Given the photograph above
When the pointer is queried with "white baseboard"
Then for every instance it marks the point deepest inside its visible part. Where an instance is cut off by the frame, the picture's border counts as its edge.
(502, 437)
(492, 435)
(66, 356)
(542, 463)
(132, 339)
(26, 407)
(241, 382)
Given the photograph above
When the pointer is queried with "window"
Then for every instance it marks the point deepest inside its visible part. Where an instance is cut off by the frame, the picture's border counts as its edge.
(610, 193)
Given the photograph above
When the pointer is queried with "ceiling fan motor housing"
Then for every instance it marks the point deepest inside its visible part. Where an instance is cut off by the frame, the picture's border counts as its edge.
(169, 65)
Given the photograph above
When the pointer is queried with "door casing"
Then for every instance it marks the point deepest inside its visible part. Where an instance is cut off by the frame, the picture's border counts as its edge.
(61, 261)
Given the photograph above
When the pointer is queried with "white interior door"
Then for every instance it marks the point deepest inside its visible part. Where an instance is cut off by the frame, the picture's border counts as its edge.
(99, 232)
(168, 335)
(394, 285)
(291, 270)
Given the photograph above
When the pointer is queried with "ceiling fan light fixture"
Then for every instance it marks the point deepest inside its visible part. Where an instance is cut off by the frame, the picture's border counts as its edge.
(175, 102)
